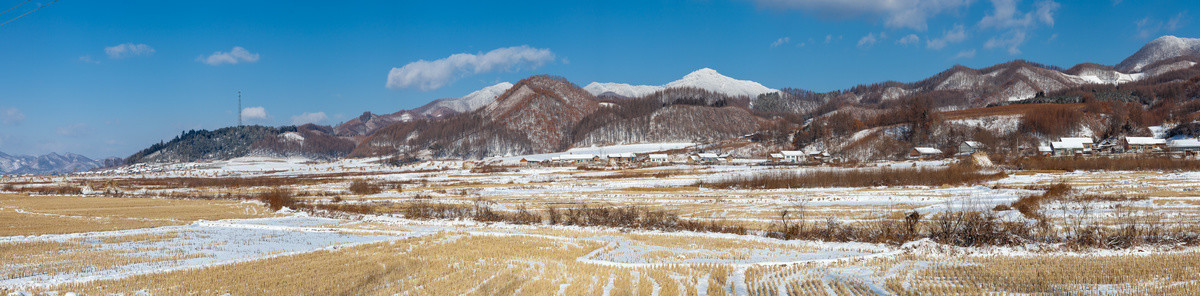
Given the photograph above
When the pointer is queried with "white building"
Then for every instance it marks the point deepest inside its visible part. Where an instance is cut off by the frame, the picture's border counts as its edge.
(924, 153)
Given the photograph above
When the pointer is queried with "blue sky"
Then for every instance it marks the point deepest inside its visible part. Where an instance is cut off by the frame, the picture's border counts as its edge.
(107, 78)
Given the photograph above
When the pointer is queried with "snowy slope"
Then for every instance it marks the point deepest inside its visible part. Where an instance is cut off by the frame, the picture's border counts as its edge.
(707, 79)
(1163, 48)
(621, 89)
(471, 101)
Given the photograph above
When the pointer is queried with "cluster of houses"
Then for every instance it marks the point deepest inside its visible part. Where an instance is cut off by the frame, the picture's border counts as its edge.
(632, 158)
(1083, 145)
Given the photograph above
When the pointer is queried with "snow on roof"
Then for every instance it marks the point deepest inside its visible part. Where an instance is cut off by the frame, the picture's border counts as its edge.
(1045, 148)
(973, 144)
(658, 156)
(792, 153)
(1080, 140)
(575, 156)
(622, 155)
(776, 155)
(707, 155)
(1144, 141)
(1184, 143)
(927, 150)
(1066, 145)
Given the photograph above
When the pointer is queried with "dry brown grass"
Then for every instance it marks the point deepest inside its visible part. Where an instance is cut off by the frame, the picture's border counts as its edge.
(870, 177)
(1137, 163)
(72, 214)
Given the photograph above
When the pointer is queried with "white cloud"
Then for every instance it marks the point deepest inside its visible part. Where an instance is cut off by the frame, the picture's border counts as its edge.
(431, 75)
(309, 118)
(232, 57)
(911, 14)
(910, 39)
(1015, 24)
(74, 130)
(254, 113)
(867, 41)
(126, 50)
(781, 41)
(1011, 41)
(955, 35)
(11, 116)
(966, 54)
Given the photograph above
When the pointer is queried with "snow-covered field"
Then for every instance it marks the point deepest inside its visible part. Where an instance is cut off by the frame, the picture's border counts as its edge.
(405, 256)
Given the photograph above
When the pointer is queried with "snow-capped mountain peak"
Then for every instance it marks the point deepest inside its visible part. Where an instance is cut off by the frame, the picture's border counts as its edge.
(705, 78)
(1162, 48)
(470, 102)
(709, 79)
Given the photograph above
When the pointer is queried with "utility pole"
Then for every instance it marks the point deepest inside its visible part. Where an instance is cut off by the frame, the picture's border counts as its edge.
(239, 109)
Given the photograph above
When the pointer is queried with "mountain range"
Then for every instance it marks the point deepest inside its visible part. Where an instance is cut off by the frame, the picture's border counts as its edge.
(52, 163)
(543, 114)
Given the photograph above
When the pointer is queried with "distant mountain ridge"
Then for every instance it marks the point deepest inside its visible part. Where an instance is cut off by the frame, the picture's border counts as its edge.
(52, 163)
(704, 78)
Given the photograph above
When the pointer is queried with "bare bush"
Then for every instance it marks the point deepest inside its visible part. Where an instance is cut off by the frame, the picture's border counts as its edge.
(362, 187)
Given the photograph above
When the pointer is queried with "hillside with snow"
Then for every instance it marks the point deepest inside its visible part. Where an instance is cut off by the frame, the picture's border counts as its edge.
(1160, 49)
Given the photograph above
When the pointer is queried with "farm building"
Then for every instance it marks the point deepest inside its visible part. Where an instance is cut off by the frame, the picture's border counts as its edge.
(1144, 144)
(969, 147)
(924, 153)
(1190, 145)
(792, 156)
(658, 158)
(1067, 148)
(576, 158)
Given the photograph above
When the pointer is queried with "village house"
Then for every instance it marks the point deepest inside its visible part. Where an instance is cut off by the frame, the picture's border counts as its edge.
(620, 158)
(792, 156)
(1144, 144)
(969, 147)
(1187, 146)
(1068, 148)
(924, 153)
(576, 158)
(658, 158)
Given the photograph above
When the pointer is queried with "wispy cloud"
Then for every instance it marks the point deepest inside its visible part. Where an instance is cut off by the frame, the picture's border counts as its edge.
(966, 54)
(232, 57)
(74, 130)
(125, 50)
(911, 14)
(1149, 27)
(88, 59)
(309, 118)
(1015, 24)
(955, 35)
(11, 116)
(781, 41)
(909, 39)
(431, 75)
(867, 41)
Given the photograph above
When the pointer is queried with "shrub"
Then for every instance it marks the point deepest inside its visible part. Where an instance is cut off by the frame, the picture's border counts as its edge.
(363, 187)
(278, 198)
